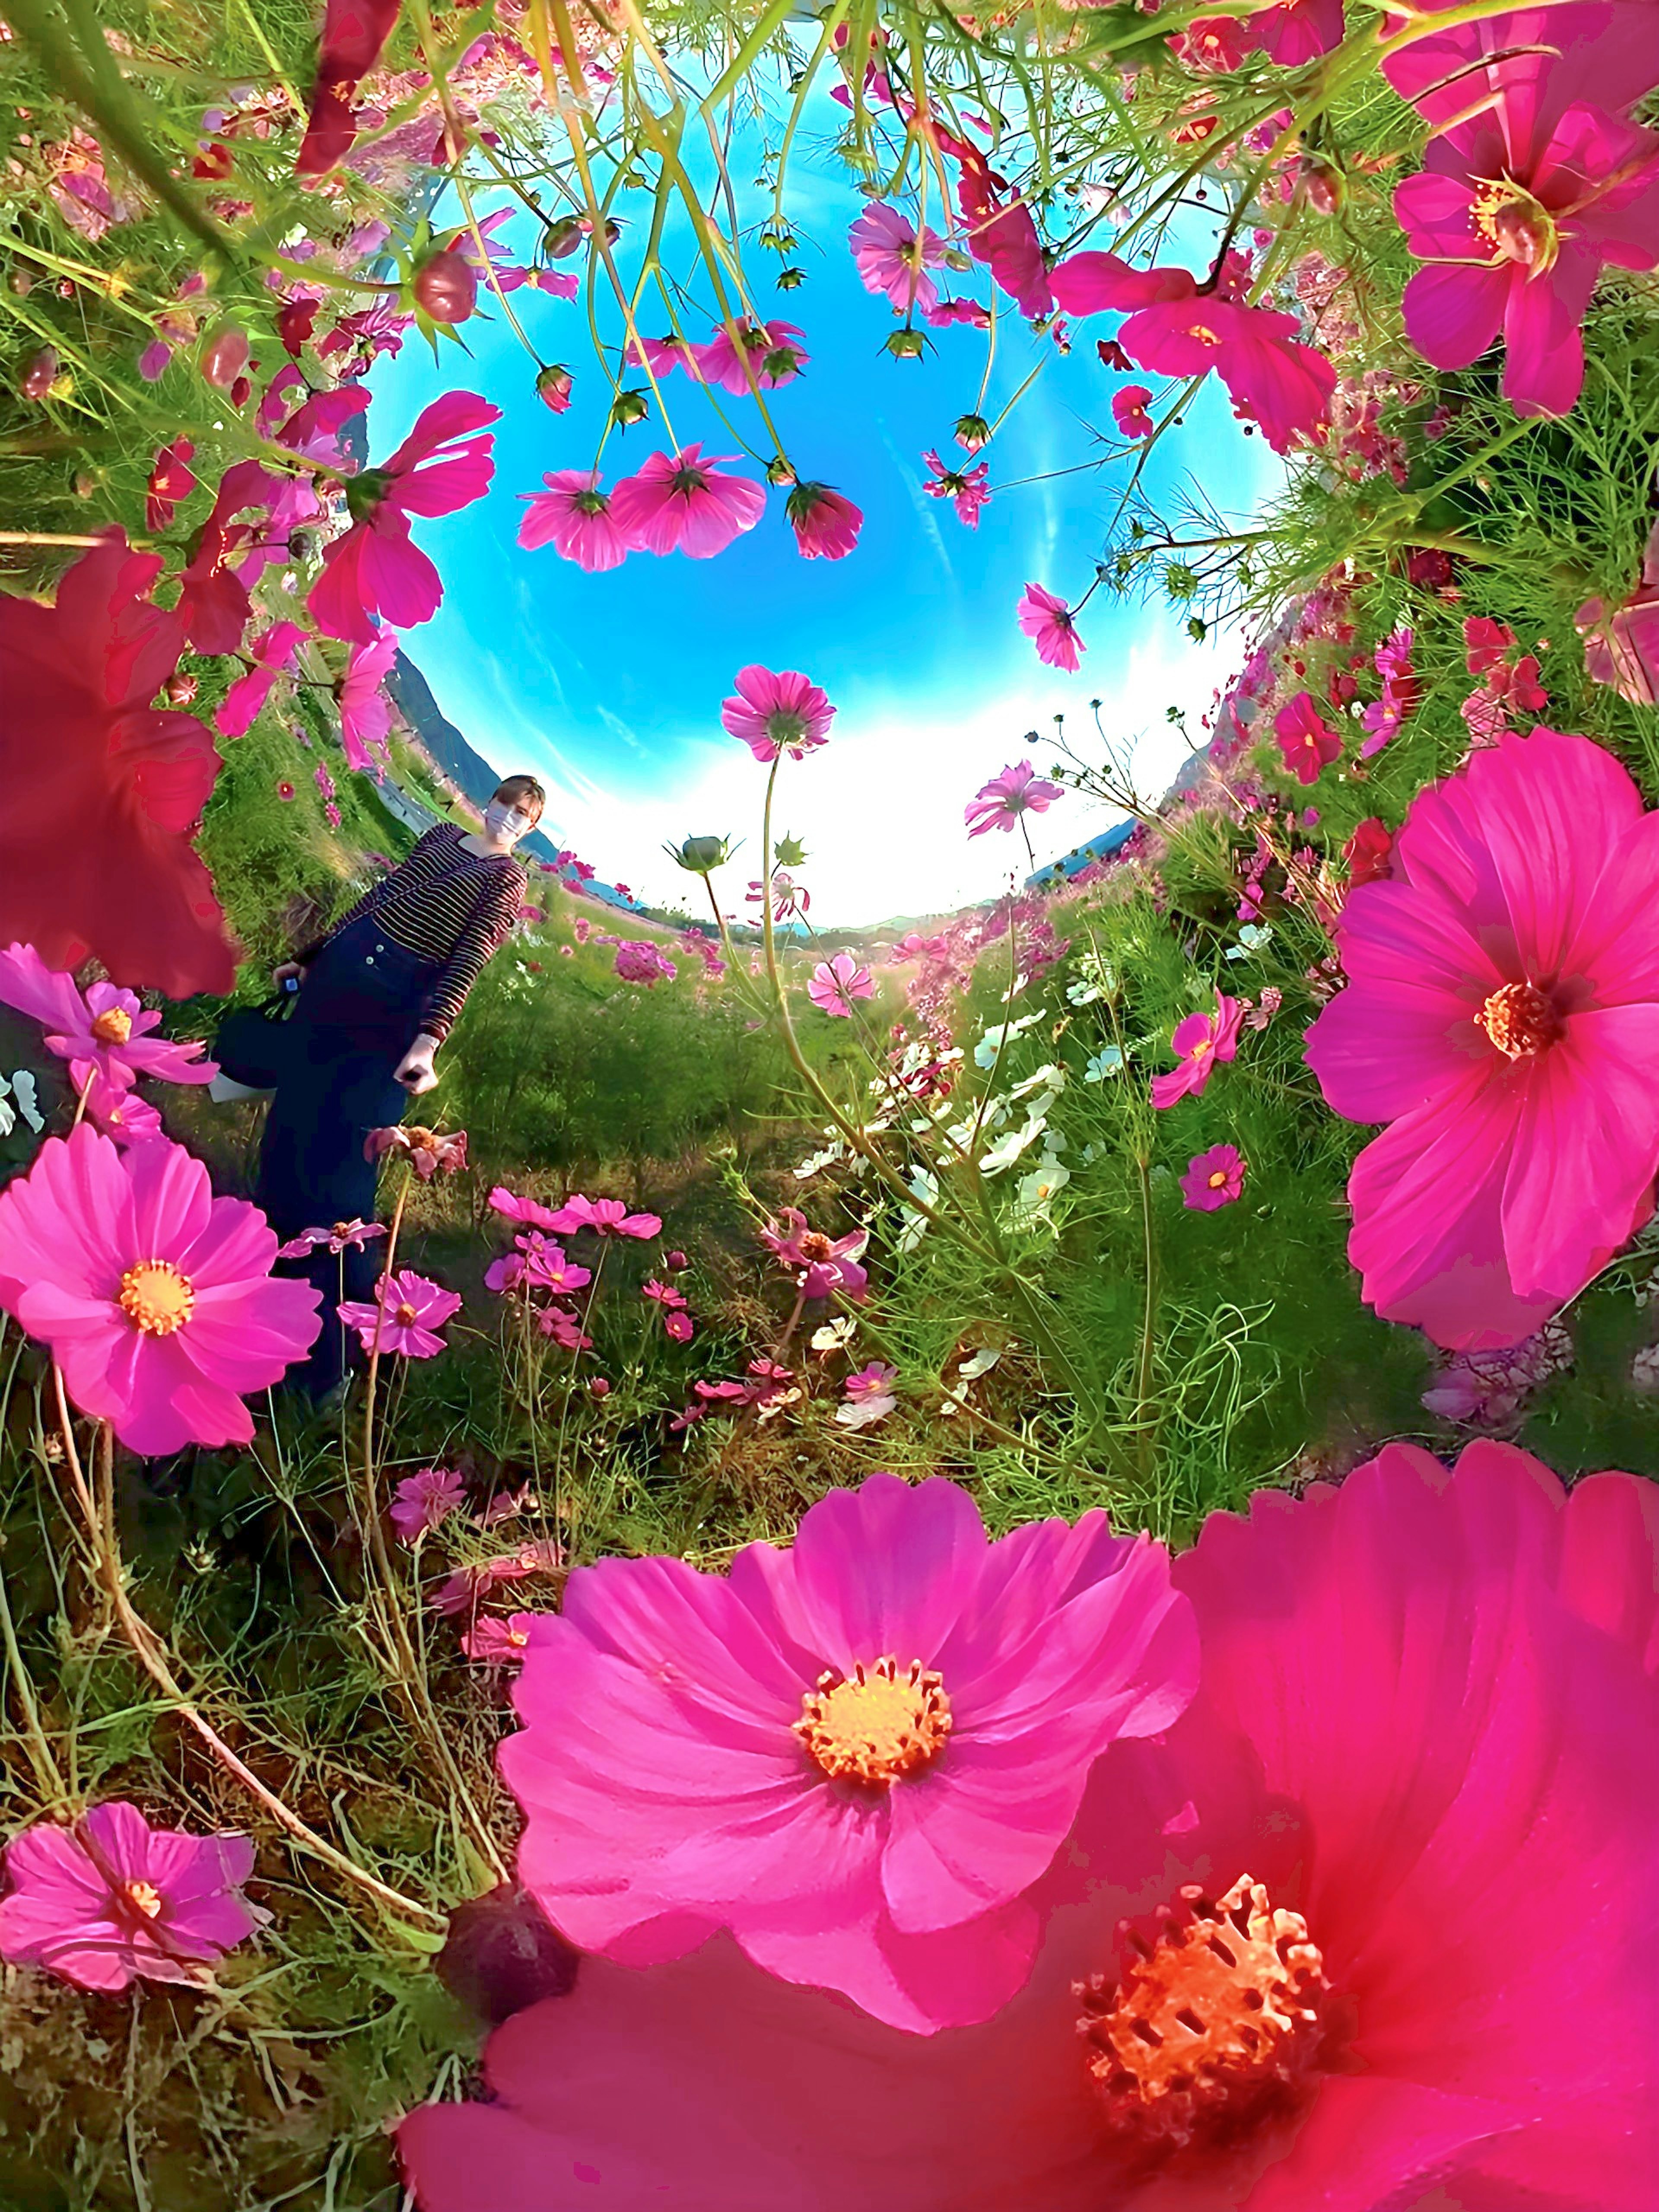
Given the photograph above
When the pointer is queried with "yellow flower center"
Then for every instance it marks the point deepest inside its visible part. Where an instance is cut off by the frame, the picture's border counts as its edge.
(1204, 1045)
(1204, 334)
(876, 1725)
(155, 1297)
(114, 1026)
(143, 1896)
(1217, 1178)
(1522, 229)
(1520, 1020)
(407, 1315)
(1213, 2028)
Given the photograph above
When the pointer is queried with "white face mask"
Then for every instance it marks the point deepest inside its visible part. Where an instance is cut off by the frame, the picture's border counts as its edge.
(505, 821)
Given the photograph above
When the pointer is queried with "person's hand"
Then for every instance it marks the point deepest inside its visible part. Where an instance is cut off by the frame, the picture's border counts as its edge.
(415, 1070)
(280, 975)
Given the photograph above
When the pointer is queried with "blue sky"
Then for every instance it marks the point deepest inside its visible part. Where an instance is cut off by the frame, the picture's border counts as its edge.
(610, 686)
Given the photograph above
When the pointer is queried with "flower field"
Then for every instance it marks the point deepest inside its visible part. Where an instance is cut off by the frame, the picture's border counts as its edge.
(1006, 1561)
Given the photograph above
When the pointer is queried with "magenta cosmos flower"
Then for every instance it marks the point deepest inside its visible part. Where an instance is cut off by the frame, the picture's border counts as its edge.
(680, 501)
(998, 805)
(868, 1397)
(1621, 646)
(1517, 209)
(1296, 32)
(1306, 740)
(826, 524)
(1213, 1179)
(105, 1035)
(639, 960)
(365, 710)
(772, 353)
(1280, 1966)
(834, 984)
(574, 516)
(824, 1267)
(1129, 412)
(893, 258)
(155, 1297)
(111, 1897)
(376, 568)
(272, 652)
(968, 490)
(777, 711)
(855, 1755)
(408, 1311)
(605, 1217)
(425, 1499)
(1199, 1042)
(1052, 628)
(1502, 1016)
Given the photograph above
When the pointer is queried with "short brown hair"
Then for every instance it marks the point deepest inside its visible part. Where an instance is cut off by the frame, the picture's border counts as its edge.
(522, 787)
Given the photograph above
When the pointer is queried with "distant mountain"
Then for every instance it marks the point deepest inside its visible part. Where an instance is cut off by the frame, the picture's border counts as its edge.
(464, 766)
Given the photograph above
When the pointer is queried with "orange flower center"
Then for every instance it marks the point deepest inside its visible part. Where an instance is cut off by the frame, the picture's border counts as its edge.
(1216, 2025)
(1508, 217)
(877, 1726)
(155, 1297)
(112, 1027)
(1520, 1020)
(407, 1315)
(1217, 1178)
(815, 1245)
(1204, 1045)
(1204, 334)
(143, 1896)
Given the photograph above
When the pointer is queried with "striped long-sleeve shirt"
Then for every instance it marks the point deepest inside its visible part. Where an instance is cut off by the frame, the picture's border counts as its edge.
(447, 905)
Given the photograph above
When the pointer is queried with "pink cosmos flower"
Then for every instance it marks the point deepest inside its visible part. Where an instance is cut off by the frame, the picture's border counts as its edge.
(1199, 1042)
(530, 1211)
(492, 1642)
(170, 481)
(1502, 1016)
(772, 353)
(1306, 740)
(376, 568)
(605, 1217)
(155, 1297)
(547, 1267)
(662, 356)
(353, 34)
(564, 1330)
(679, 1325)
(777, 711)
(639, 960)
(105, 1035)
(663, 1293)
(1622, 648)
(1517, 209)
(867, 1396)
(1129, 412)
(1384, 717)
(826, 526)
(825, 1266)
(340, 1237)
(1297, 31)
(405, 1317)
(1000, 803)
(967, 489)
(423, 1501)
(1272, 377)
(574, 516)
(1415, 1673)
(111, 1897)
(428, 1151)
(365, 710)
(273, 651)
(1213, 1179)
(1370, 853)
(680, 501)
(892, 257)
(999, 229)
(872, 1742)
(1052, 628)
(834, 984)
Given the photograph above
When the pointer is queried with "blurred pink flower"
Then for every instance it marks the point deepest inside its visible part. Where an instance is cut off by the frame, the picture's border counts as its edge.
(664, 356)
(574, 516)
(680, 501)
(1198, 1043)
(423, 1500)
(772, 353)
(1296, 32)
(155, 1297)
(110, 1898)
(1305, 739)
(1516, 210)
(1000, 803)
(842, 1717)
(1502, 1016)
(777, 711)
(170, 481)
(365, 710)
(105, 1035)
(273, 652)
(1049, 624)
(834, 984)
(1621, 648)
(353, 34)
(999, 229)
(427, 1150)
(641, 961)
(967, 489)
(679, 1324)
(492, 1642)
(407, 1313)
(1213, 1179)
(893, 258)
(663, 1293)
(376, 569)
(826, 524)
(1129, 410)
(605, 1217)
